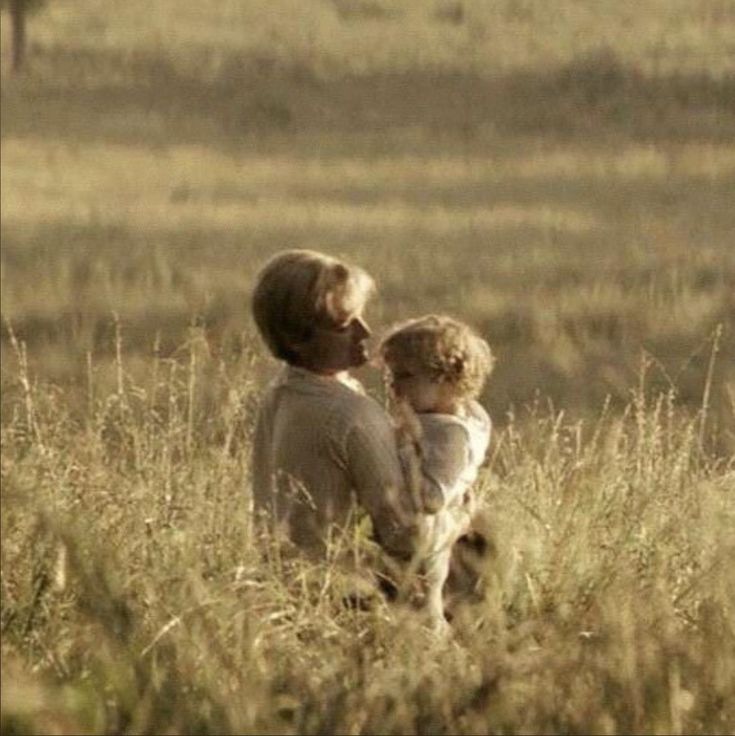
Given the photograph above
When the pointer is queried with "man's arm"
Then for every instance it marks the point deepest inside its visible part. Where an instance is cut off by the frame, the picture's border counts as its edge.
(375, 471)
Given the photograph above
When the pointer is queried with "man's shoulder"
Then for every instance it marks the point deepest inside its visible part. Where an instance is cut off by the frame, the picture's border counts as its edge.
(333, 404)
(355, 408)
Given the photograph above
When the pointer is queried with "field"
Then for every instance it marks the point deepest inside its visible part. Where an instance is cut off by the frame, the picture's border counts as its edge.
(561, 175)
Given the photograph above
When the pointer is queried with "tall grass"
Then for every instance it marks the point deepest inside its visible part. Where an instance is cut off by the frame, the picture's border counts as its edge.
(569, 258)
(132, 585)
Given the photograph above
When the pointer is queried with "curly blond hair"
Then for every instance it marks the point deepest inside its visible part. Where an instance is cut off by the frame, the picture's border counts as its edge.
(441, 347)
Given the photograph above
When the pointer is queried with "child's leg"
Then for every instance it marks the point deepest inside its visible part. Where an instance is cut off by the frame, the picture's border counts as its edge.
(437, 571)
(472, 560)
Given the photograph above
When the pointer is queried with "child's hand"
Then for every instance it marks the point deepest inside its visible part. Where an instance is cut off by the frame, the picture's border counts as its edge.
(407, 423)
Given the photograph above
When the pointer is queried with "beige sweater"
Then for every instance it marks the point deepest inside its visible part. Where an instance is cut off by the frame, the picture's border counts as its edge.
(320, 446)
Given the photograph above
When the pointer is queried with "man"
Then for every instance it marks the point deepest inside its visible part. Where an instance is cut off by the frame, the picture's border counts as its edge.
(321, 445)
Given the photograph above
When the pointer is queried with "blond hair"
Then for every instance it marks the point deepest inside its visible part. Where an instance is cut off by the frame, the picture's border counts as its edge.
(446, 350)
(298, 290)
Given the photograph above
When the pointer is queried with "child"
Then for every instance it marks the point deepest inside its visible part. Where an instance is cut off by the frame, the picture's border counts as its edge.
(435, 369)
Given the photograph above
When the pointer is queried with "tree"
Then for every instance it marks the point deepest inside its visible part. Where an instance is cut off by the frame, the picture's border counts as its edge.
(19, 10)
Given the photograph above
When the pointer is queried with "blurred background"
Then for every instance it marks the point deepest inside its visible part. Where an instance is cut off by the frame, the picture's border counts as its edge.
(558, 173)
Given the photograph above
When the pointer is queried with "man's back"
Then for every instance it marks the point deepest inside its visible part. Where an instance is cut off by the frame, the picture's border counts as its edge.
(318, 445)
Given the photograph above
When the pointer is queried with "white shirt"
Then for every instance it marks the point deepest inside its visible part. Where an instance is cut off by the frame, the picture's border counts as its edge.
(319, 446)
(453, 447)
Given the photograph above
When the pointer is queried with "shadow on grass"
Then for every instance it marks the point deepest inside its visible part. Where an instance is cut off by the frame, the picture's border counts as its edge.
(153, 100)
(81, 97)
(573, 355)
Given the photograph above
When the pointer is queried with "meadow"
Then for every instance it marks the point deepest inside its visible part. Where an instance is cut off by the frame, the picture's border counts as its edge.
(561, 175)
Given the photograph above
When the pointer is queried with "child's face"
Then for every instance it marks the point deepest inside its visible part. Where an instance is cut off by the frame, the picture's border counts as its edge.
(421, 391)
